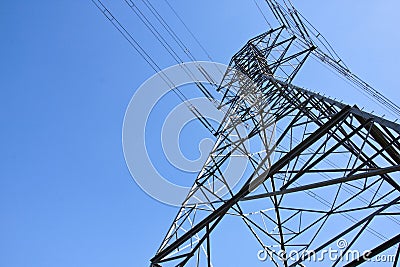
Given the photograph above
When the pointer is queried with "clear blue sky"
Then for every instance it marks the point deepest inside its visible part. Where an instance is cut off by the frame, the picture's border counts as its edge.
(66, 196)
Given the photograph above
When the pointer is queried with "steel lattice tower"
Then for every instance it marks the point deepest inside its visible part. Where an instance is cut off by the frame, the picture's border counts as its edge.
(324, 171)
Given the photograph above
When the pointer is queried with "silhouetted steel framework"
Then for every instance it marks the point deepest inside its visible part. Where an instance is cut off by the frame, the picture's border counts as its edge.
(323, 170)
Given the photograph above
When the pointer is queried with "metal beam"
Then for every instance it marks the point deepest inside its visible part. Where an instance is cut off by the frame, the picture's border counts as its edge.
(327, 183)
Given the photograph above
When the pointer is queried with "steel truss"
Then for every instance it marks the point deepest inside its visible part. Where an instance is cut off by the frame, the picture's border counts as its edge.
(320, 171)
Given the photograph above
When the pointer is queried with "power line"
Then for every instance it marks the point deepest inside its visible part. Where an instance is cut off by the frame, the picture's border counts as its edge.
(154, 31)
(262, 13)
(178, 40)
(150, 26)
(189, 31)
(298, 25)
(132, 41)
(171, 32)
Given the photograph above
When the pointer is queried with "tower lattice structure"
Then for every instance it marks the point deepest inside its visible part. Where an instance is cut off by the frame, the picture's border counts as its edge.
(319, 171)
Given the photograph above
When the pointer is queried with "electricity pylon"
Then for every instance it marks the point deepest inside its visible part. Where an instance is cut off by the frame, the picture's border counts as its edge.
(321, 172)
